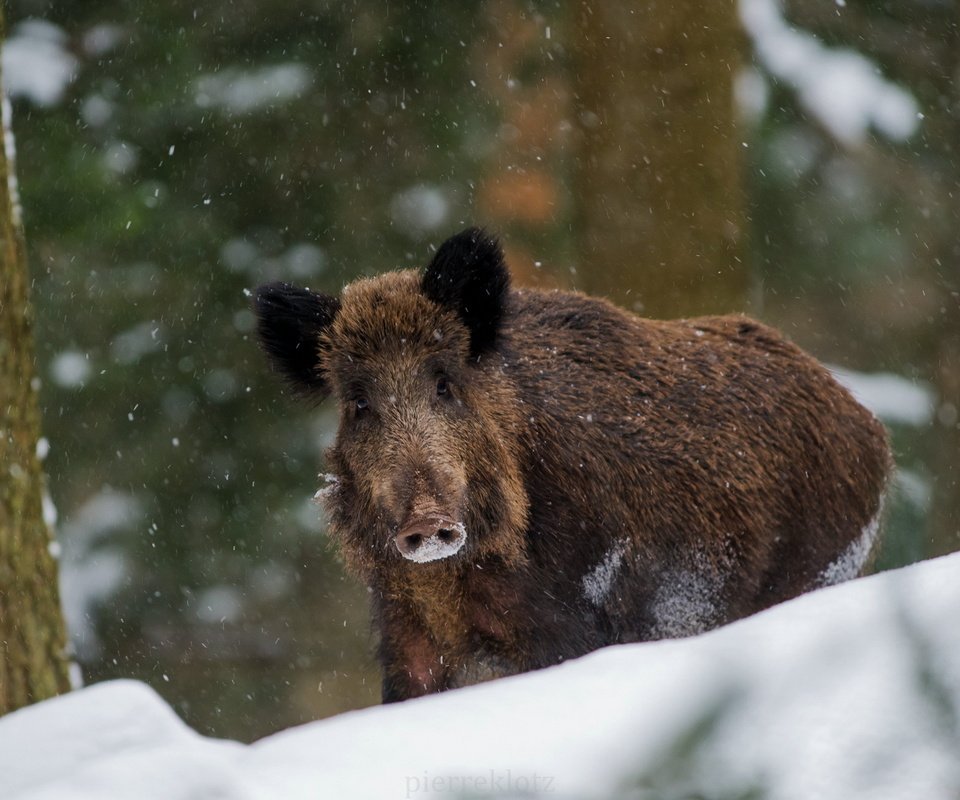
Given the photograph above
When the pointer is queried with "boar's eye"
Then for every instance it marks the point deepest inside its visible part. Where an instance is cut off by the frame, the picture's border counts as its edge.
(443, 387)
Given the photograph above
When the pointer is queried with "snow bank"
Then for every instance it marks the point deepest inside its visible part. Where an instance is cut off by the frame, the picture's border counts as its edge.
(850, 692)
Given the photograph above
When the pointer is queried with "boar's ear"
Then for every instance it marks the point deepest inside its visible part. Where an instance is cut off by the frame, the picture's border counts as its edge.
(289, 323)
(468, 274)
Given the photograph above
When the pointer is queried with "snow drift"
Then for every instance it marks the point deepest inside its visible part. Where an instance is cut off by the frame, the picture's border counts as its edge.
(850, 692)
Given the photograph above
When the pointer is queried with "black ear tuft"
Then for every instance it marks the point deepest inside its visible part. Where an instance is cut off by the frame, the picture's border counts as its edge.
(289, 323)
(468, 274)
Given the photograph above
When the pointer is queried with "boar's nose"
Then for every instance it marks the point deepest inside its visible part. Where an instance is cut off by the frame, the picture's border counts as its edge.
(430, 539)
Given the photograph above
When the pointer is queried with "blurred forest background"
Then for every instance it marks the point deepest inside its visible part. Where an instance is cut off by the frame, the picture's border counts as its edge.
(795, 161)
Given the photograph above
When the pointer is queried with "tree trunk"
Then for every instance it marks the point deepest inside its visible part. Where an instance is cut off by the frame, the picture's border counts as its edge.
(658, 180)
(944, 522)
(32, 661)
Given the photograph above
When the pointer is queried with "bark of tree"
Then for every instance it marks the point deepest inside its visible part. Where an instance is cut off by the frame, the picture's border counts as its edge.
(658, 183)
(33, 665)
(944, 257)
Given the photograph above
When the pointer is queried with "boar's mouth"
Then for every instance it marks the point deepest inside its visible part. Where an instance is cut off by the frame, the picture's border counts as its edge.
(430, 539)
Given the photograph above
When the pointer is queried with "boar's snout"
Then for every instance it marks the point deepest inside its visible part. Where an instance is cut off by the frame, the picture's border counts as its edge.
(430, 538)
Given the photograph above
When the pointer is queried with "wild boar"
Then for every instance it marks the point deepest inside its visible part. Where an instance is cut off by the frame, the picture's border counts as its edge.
(523, 476)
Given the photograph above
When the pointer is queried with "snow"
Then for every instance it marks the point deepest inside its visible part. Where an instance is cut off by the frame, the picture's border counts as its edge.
(891, 397)
(302, 261)
(852, 561)
(130, 744)
(332, 483)
(422, 208)
(849, 692)
(243, 91)
(220, 384)
(120, 158)
(50, 516)
(914, 487)
(96, 110)
(101, 39)
(36, 62)
(434, 548)
(70, 369)
(134, 343)
(751, 93)
(686, 603)
(598, 581)
(94, 566)
(841, 88)
(219, 604)
(239, 254)
(10, 151)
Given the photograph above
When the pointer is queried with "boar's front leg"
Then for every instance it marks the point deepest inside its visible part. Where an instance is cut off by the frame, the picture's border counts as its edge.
(409, 658)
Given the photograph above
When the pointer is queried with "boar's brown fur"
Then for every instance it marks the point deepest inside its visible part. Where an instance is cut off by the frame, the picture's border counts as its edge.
(606, 478)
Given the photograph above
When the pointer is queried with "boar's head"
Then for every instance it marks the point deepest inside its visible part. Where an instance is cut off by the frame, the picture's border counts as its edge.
(426, 461)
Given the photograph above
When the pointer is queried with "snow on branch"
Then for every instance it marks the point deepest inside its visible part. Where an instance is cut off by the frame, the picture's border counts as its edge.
(841, 88)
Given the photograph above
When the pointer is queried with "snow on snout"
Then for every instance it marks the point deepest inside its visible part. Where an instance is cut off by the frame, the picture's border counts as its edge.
(332, 484)
(435, 548)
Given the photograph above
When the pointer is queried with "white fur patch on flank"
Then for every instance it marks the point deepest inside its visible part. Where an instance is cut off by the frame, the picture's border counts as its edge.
(598, 581)
(852, 560)
(434, 548)
(686, 602)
